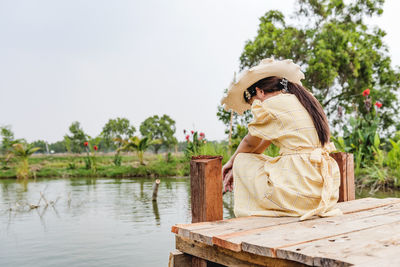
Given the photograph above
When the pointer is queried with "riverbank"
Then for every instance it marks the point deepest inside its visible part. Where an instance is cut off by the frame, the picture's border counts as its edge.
(71, 165)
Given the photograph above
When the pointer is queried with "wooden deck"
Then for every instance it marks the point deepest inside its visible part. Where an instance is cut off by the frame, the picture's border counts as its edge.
(368, 234)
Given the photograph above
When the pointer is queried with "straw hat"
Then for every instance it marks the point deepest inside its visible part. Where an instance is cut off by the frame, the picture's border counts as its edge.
(266, 68)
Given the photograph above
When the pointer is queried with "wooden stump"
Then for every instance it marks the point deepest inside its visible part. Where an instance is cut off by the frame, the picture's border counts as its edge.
(346, 167)
(206, 188)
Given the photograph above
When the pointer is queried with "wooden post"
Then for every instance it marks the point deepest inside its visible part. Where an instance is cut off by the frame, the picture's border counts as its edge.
(179, 259)
(346, 167)
(206, 193)
(155, 189)
(206, 188)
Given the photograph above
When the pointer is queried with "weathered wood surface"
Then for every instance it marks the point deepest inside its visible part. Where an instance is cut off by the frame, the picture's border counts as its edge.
(287, 238)
(206, 193)
(207, 231)
(179, 259)
(228, 257)
(206, 188)
(382, 241)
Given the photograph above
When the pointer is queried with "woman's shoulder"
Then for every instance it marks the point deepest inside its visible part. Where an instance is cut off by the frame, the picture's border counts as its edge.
(276, 103)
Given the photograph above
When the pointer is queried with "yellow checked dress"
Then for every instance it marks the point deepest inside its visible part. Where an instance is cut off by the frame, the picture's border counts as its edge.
(302, 181)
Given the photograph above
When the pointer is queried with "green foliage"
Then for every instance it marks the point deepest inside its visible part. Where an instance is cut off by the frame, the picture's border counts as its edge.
(240, 131)
(41, 144)
(119, 128)
(237, 120)
(7, 139)
(272, 150)
(160, 129)
(58, 147)
(361, 136)
(194, 144)
(117, 159)
(21, 152)
(215, 149)
(74, 166)
(74, 142)
(71, 165)
(340, 54)
(139, 145)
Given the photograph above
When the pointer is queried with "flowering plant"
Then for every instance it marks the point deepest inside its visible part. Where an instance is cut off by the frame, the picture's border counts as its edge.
(90, 159)
(361, 137)
(194, 142)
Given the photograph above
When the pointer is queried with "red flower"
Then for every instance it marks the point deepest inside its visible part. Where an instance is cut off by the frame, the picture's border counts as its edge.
(192, 132)
(95, 147)
(187, 137)
(86, 143)
(184, 131)
(202, 135)
(366, 92)
(378, 104)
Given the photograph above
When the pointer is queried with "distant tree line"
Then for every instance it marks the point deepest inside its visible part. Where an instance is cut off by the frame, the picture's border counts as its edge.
(114, 133)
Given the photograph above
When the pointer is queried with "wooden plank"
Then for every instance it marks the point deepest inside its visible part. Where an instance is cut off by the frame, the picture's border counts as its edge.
(232, 240)
(267, 242)
(364, 204)
(206, 188)
(346, 207)
(179, 259)
(227, 257)
(379, 244)
(206, 235)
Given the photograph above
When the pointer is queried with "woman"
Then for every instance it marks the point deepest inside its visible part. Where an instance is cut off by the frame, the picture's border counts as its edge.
(303, 180)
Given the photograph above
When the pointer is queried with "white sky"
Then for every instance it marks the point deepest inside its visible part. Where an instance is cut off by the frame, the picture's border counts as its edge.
(89, 61)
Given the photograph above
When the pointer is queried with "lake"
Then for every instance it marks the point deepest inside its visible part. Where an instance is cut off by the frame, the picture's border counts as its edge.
(94, 222)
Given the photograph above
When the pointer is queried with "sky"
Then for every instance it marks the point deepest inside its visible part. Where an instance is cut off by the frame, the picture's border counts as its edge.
(92, 60)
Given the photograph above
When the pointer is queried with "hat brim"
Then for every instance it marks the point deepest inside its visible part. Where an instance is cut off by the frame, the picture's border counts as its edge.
(269, 67)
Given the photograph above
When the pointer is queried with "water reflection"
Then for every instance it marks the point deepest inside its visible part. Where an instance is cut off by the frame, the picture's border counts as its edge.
(156, 212)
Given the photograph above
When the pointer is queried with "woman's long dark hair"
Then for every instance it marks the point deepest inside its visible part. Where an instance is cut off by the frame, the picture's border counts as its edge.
(309, 102)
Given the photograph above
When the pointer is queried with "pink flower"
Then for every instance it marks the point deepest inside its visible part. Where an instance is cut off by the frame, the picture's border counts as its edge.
(202, 135)
(192, 132)
(378, 104)
(366, 92)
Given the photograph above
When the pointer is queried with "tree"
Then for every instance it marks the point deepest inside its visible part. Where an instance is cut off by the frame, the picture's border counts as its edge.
(117, 128)
(159, 128)
(76, 139)
(7, 139)
(339, 53)
(41, 144)
(139, 145)
(58, 147)
(21, 152)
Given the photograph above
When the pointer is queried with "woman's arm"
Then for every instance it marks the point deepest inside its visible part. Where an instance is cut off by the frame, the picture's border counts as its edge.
(262, 146)
(249, 144)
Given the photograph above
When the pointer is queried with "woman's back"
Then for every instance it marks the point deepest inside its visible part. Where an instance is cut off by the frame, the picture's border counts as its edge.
(302, 181)
(283, 120)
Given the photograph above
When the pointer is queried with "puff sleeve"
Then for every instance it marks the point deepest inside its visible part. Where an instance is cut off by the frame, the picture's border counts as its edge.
(262, 125)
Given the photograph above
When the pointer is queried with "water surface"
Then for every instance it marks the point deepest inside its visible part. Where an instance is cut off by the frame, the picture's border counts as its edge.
(95, 222)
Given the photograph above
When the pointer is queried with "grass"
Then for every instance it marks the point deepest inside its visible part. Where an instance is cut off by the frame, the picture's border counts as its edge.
(64, 166)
